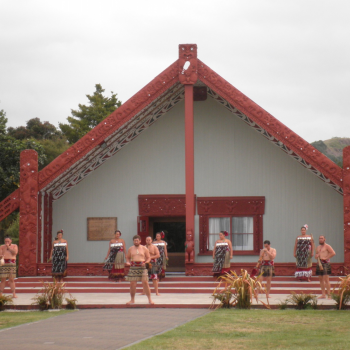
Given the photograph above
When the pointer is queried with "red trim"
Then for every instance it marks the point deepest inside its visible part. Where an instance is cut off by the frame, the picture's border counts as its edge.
(270, 123)
(112, 123)
(46, 227)
(9, 204)
(143, 228)
(346, 203)
(39, 227)
(163, 204)
(189, 158)
(281, 269)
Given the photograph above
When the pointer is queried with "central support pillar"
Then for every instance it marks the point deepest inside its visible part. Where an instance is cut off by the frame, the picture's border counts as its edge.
(188, 76)
(189, 158)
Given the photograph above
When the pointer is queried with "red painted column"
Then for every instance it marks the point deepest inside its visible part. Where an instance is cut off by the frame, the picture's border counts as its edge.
(28, 211)
(346, 201)
(46, 226)
(189, 158)
(188, 76)
(39, 227)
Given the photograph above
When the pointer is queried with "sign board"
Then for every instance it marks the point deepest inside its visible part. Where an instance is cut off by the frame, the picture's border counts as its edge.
(101, 229)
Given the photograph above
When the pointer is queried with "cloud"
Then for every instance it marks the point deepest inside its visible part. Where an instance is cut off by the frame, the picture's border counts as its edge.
(290, 57)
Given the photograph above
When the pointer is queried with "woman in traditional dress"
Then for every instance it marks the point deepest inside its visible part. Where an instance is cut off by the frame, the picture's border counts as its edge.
(303, 252)
(115, 257)
(162, 247)
(222, 254)
(59, 256)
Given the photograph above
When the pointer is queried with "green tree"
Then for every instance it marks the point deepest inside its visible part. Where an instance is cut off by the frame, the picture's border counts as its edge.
(10, 150)
(3, 122)
(88, 116)
(36, 129)
(53, 148)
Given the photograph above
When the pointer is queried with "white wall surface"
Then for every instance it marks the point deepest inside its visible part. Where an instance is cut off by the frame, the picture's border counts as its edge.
(231, 159)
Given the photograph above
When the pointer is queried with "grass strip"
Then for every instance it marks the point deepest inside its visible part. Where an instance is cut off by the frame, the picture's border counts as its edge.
(258, 329)
(12, 319)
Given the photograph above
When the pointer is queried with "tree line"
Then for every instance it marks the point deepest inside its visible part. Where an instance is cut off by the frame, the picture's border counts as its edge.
(48, 140)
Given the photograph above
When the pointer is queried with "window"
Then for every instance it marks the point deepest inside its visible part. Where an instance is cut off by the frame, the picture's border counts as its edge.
(241, 217)
(242, 233)
(215, 226)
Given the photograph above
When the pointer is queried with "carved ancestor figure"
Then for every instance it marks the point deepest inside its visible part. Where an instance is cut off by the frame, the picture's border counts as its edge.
(189, 247)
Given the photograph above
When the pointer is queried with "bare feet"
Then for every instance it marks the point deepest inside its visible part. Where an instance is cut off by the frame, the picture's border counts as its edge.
(157, 294)
(267, 296)
(322, 297)
(14, 295)
(130, 302)
(142, 294)
(151, 302)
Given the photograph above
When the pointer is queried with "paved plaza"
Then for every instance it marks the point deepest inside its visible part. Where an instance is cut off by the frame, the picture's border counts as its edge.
(108, 329)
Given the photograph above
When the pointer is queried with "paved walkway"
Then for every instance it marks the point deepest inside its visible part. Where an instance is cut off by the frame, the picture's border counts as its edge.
(195, 299)
(95, 329)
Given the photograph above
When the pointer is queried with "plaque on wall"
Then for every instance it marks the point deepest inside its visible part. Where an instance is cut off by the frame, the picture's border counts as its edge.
(101, 229)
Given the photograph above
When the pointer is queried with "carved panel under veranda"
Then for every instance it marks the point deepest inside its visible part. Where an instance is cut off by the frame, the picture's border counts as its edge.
(28, 223)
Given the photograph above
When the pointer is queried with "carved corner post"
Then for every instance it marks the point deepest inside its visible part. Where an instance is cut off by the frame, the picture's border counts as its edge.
(346, 201)
(188, 76)
(28, 209)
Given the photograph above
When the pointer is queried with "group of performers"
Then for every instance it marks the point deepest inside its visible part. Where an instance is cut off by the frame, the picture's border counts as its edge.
(303, 252)
(149, 262)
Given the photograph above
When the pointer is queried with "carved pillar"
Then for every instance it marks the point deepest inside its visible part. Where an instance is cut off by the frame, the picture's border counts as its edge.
(28, 208)
(46, 226)
(39, 226)
(49, 233)
(346, 199)
(188, 76)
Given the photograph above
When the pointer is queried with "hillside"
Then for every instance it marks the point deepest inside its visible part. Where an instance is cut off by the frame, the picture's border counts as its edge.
(333, 148)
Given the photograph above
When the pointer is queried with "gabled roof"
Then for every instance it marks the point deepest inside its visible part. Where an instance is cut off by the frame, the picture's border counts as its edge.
(149, 104)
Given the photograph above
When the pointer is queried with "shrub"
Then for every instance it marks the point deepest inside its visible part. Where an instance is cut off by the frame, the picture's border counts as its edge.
(341, 293)
(238, 291)
(302, 301)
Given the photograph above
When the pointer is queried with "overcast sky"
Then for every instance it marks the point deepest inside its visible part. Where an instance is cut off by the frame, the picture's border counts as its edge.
(290, 57)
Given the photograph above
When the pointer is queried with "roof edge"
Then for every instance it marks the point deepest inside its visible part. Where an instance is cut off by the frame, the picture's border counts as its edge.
(273, 126)
(125, 112)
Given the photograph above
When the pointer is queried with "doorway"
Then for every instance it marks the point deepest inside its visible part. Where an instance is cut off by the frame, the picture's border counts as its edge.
(175, 235)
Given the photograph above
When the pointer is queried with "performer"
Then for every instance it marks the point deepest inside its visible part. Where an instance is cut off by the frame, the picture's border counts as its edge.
(162, 247)
(8, 253)
(115, 257)
(137, 257)
(324, 252)
(222, 254)
(303, 252)
(154, 268)
(59, 256)
(267, 270)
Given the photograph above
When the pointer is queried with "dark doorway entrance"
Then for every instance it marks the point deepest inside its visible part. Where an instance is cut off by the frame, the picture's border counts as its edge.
(175, 235)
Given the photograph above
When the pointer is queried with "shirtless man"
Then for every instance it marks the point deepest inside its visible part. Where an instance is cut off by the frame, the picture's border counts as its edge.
(137, 258)
(154, 254)
(267, 255)
(8, 252)
(324, 252)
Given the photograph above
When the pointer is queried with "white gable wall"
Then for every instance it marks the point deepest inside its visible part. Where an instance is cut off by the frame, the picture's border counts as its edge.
(231, 159)
(236, 160)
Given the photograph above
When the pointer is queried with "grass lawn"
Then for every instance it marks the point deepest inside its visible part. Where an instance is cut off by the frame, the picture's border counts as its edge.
(11, 319)
(258, 329)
